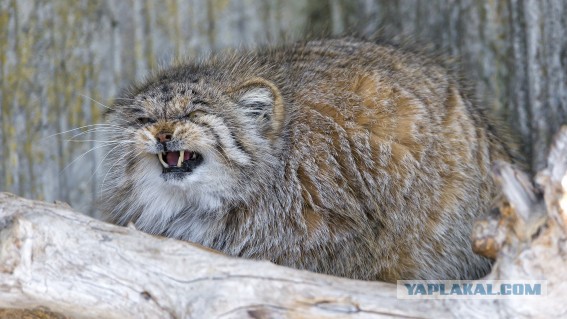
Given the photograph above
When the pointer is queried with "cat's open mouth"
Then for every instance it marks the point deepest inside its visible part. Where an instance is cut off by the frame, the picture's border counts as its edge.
(179, 161)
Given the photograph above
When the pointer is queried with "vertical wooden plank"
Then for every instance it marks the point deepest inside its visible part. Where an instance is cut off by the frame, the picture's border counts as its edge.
(61, 60)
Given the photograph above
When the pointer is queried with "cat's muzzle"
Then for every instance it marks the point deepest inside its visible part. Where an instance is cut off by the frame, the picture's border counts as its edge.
(179, 161)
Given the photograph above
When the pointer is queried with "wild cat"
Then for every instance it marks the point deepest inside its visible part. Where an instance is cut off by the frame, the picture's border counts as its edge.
(339, 156)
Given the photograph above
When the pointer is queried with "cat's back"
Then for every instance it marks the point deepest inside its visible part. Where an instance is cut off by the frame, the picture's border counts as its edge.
(387, 141)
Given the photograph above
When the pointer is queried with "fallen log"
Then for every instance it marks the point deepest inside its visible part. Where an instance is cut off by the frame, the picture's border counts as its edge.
(57, 263)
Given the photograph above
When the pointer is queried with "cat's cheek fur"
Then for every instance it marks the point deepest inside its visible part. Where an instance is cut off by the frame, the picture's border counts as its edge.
(160, 200)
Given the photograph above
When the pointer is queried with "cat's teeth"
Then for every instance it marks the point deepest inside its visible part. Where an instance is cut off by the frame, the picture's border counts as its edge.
(180, 160)
(160, 156)
(193, 155)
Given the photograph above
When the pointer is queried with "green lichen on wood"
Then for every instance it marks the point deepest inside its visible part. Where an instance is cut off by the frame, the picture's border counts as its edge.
(5, 181)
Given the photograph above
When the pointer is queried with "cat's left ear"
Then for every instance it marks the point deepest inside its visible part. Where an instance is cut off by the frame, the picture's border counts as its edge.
(261, 100)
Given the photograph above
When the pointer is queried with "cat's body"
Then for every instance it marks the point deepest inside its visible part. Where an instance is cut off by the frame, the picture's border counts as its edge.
(339, 156)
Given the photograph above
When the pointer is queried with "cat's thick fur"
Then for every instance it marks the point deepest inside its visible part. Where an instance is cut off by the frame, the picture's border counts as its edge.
(341, 156)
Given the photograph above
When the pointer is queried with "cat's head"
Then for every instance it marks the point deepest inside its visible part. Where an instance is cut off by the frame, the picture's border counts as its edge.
(191, 140)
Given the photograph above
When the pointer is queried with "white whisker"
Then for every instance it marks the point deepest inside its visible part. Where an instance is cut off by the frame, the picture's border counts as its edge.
(99, 103)
(79, 128)
(118, 160)
(90, 150)
(104, 157)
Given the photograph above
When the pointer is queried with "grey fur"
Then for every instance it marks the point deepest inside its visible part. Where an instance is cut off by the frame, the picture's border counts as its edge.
(360, 160)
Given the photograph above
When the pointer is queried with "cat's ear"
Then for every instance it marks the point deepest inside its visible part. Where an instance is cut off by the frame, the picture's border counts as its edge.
(261, 100)
(257, 102)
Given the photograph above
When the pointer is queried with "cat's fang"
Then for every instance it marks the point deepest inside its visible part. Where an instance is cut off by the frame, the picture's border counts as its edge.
(160, 156)
(180, 160)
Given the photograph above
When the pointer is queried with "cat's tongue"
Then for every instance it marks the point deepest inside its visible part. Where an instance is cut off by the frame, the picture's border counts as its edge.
(172, 158)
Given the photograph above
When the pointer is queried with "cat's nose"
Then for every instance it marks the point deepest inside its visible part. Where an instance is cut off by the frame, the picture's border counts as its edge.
(163, 137)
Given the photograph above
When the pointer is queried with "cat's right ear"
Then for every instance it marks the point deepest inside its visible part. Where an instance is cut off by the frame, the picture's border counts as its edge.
(261, 100)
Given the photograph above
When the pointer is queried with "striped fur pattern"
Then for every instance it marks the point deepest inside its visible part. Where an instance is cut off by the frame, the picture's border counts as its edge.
(339, 156)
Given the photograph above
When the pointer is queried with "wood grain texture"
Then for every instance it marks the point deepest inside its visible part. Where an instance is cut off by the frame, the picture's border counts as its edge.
(60, 61)
(83, 268)
(58, 57)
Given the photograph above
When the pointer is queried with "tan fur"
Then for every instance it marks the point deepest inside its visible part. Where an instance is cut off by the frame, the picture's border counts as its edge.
(367, 161)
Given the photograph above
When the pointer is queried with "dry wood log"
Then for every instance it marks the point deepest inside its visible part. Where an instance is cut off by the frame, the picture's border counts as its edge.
(74, 266)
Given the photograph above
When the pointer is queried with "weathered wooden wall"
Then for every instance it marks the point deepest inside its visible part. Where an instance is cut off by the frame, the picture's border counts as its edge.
(58, 57)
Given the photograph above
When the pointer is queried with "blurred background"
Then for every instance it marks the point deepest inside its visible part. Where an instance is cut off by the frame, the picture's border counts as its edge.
(61, 60)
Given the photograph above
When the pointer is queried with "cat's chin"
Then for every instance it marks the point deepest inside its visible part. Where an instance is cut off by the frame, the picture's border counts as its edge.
(174, 176)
